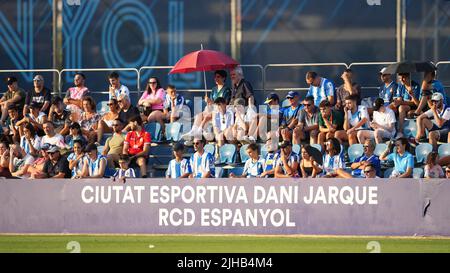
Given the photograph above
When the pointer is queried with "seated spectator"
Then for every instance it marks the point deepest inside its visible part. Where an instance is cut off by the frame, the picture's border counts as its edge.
(172, 105)
(432, 168)
(75, 95)
(36, 170)
(245, 128)
(308, 123)
(436, 121)
(383, 123)
(13, 96)
(77, 159)
(59, 116)
(223, 121)
(153, 98)
(89, 119)
(358, 166)
(320, 88)
(40, 95)
(75, 135)
(349, 87)
(309, 167)
(30, 142)
(241, 88)
(4, 159)
(124, 170)
(36, 118)
(202, 162)
(137, 145)
(51, 137)
(406, 99)
(254, 165)
(270, 159)
(12, 129)
(94, 165)
(289, 119)
(447, 171)
(370, 171)
(127, 111)
(430, 86)
(356, 120)
(57, 166)
(116, 88)
(19, 161)
(179, 167)
(286, 165)
(114, 145)
(387, 89)
(270, 117)
(330, 121)
(403, 160)
(333, 161)
(106, 121)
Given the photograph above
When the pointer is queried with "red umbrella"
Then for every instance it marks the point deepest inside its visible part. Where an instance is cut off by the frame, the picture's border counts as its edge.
(203, 60)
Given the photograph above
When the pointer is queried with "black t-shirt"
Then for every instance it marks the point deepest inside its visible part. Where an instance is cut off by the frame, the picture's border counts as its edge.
(40, 98)
(125, 116)
(243, 90)
(62, 166)
(60, 120)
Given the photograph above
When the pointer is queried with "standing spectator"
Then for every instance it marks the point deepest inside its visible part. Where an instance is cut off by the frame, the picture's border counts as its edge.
(436, 121)
(89, 119)
(320, 88)
(333, 161)
(13, 96)
(254, 165)
(124, 171)
(430, 86)
(358, 166)
(241, 89)
(403, 160)
(309, 167)
(116, 88)
(383, 123)
(289, 119)
(59, 116)
(172, 105)
(57, 166)
(75, 134)
(95, 164)
(75, 95)
(127, 111)
(106, 121)
(40, 94)
(179, 167)
(114, 144)
(12, 129)
(153, 98)
(30, 142)
(308, 123)
(432, 168)
(35, 117)
(202, 162)
(77, 159)
(356, 120)
(349, 87)
(406, 98)
(51, 137)
(286, 165)
(330, 121)
(137, 145)
(222, 122)
(19, 161)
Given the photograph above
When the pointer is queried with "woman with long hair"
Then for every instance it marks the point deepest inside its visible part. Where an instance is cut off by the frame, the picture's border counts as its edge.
(106, 121)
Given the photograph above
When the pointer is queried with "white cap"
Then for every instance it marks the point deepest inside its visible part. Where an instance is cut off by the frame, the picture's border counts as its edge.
(382, 70)
(437, 96)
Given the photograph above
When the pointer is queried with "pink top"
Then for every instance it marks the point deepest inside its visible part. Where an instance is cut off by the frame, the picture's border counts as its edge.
(160, 93)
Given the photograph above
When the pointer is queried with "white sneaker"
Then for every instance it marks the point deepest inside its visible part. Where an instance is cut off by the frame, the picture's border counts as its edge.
(399, 135)
(251, 139)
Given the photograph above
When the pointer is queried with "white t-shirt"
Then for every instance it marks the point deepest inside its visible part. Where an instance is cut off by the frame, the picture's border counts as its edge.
(223, 121)
(57, 140)
(444, 114)
(386, 118)
(359, 115)
(122, 90)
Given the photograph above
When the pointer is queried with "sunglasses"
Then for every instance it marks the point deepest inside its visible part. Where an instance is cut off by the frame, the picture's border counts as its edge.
(115, 125)
(119, 101)
(307, 105)
(110, 104)
(37, 80)
(197, 143)
(368, 171)
(151, 82)
(434, 101)
(51, 153)
(290, 98)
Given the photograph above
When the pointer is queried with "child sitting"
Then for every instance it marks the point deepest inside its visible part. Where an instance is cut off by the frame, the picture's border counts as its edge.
(124, 171)
(179, 167)
(432, 169)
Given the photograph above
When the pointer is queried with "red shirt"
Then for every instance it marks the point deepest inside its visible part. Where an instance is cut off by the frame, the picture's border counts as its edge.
(136, 141)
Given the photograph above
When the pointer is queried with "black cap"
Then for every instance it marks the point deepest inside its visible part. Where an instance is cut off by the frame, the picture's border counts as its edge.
(271, 97)
(285, 143)
(377, 104)
(11, 80)
(178, 146)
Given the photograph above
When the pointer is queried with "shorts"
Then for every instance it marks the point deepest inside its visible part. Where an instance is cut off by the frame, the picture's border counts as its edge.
(443, 132)
(133, 163)
(384, 133)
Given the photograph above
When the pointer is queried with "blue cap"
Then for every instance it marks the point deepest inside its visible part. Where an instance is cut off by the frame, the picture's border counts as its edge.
(292, 94)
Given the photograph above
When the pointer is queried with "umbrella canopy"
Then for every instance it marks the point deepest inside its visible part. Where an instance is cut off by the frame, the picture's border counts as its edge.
(203, 60)
(425, 67)
(401, 67)
(314, 153)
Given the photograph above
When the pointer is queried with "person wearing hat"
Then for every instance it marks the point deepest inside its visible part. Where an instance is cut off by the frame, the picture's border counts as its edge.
(270, 115)
(35, 117)
(286, 165)
(388, 88)
(320, 88)
(436, 121)
(308, 123)
(383, 123)
(13, 96)
(289, 119)
(57, 166)
(39, 94)
(179, 167)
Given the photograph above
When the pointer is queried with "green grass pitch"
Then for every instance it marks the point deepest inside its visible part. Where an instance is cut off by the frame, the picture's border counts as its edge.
(216, 244)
